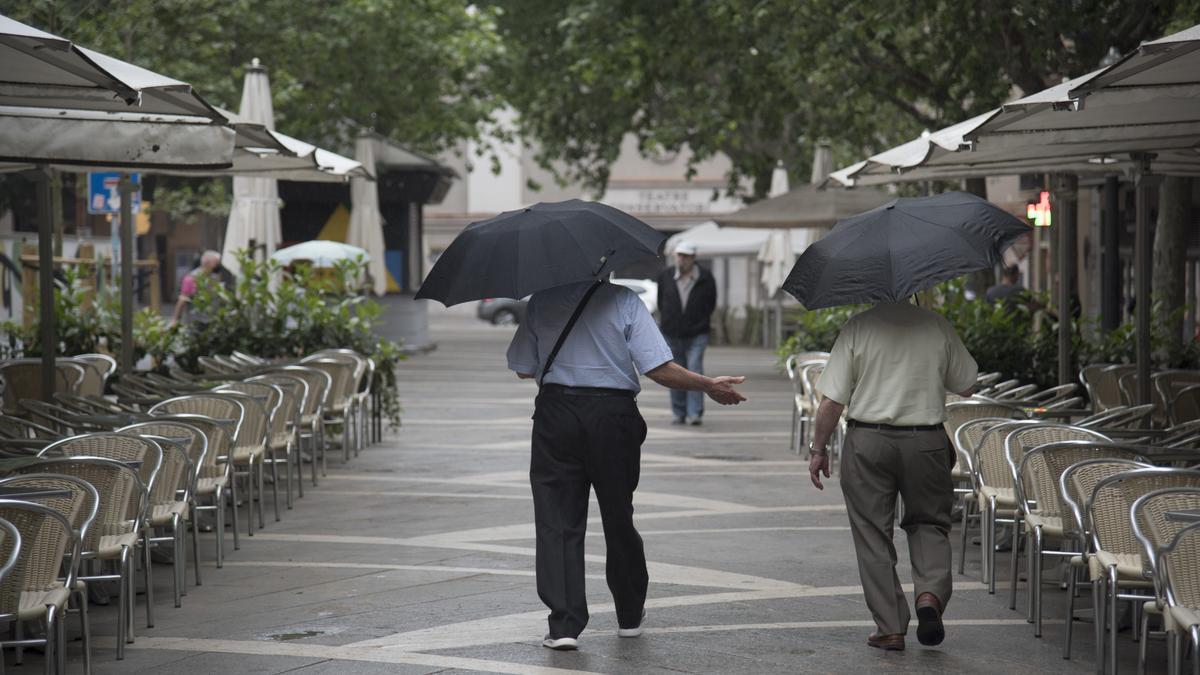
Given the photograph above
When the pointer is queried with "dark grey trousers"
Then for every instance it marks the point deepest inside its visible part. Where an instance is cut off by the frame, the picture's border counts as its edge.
(878, 465)
(580, 443)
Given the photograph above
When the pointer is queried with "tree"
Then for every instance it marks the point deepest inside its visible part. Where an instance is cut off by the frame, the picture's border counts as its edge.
(761, 80)
(413, 71)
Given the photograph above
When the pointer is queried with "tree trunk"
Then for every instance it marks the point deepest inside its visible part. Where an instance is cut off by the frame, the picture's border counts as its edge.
(1170, 248)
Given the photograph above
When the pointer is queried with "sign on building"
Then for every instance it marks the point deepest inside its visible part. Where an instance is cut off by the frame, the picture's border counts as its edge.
(103, 193)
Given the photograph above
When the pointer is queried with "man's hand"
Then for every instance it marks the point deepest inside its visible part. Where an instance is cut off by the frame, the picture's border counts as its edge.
(818, 464)
(721, 390)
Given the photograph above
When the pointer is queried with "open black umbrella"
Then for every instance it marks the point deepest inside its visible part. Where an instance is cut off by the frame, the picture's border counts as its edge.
(548, 244)
(907, 245)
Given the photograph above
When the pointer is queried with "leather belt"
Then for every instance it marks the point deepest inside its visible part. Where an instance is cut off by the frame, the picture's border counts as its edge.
(890, 427)
(587, 391)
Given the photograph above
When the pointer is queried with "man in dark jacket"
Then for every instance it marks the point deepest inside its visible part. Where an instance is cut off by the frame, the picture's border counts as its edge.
(687, 296)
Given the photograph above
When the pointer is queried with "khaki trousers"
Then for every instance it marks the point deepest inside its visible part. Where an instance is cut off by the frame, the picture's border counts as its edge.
(876, 466)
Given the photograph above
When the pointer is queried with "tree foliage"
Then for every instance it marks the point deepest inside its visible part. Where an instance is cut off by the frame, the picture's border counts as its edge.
(414, 71)
(761, 80)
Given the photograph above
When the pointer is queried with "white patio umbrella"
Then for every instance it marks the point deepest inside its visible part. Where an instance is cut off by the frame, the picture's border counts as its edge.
(366, 223)
(254, 215)
(321, 252)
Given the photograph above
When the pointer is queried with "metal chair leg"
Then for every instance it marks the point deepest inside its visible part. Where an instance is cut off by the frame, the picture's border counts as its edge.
(1014, 563)
(85, 630)
(1071, 583)
(51, 642)
(148, 578)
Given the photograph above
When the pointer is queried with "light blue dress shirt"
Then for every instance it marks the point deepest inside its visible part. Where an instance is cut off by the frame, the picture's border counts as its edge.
(614, 340)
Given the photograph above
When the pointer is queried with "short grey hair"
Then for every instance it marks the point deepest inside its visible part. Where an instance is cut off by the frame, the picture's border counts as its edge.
(210, 255)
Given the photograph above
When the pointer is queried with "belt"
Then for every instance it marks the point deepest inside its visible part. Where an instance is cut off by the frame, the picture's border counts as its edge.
(890, 427)
(587, 391)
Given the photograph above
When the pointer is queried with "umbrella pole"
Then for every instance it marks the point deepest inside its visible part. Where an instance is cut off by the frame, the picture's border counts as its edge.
(127, 253)
(1143, 255)
(1065, 192)
(47, 318)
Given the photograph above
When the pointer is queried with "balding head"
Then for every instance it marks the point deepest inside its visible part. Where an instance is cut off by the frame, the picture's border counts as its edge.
(210, 260)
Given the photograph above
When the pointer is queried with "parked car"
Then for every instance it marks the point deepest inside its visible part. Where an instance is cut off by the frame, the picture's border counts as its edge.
(501, 311)
(646, 290)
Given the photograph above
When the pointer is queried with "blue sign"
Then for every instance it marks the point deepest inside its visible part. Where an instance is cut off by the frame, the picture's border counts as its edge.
(104, 196)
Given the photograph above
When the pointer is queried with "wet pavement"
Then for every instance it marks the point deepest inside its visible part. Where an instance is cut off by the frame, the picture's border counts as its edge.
(417, 557)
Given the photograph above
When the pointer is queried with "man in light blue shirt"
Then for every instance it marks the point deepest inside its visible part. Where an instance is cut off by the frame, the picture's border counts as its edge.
(587, 432)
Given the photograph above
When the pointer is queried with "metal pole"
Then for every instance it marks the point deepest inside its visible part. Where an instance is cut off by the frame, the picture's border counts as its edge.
(1065, 194)
(127, 253)
(1110, 257)
(1143, 260)
(47, 318)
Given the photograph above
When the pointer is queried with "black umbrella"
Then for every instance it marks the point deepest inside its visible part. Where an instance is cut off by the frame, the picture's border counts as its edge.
(546, 245)
(907, 245)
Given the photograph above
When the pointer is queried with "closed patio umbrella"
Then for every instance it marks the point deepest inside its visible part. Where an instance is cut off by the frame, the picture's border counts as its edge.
(254, 215)
(366, 223)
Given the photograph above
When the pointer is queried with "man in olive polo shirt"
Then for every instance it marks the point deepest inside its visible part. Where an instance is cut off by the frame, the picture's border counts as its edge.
(889, 370)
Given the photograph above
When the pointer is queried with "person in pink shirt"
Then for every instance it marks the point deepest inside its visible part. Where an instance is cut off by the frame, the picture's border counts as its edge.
(209, 262)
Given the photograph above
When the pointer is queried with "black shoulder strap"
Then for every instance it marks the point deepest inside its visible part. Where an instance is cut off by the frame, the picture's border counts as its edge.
(562, 337)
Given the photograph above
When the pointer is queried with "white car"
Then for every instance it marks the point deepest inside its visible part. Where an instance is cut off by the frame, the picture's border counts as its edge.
(647, 291)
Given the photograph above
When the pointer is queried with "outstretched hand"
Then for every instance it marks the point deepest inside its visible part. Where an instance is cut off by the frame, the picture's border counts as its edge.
(721, 390)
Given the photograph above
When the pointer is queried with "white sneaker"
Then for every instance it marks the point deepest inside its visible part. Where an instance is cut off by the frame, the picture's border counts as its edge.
(636, 631)
(562, 644)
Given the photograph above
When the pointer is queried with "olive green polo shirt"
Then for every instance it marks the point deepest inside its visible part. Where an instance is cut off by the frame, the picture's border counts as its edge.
(894, 363)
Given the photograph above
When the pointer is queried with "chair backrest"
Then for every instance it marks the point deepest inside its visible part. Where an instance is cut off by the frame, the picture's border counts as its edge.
(294, 391)
(1185, 406)
(1106, 387)
(1054, 394)
(1152, 528)
(347, 355)
(1182, 435)
(256, 421)
(274, 399)
(1128, 384)
(10, 548)
(961, 412)
(1049, 461)
(222, 409)
(17, 427)
(342, 374)
(1111, 502)
(1021, 440)
(100, 367)
(184, 447)
(1180, 562)
(1076, 483)
(248, 359)
(1017, 393)
(218, 439)
(123, 495)
(23, 380)
(1119, 417)
(991, 462)
(319, 382)
(215, 366)
(1088, 376)
(143, 455)
(967, 438)
(48, 541)
(79, 502)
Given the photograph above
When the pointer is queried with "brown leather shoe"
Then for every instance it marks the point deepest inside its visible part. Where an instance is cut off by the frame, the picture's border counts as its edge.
(930, 630)
(889, 643)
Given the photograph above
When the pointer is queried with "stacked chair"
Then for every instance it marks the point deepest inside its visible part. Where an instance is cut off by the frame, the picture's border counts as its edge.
(117, 467)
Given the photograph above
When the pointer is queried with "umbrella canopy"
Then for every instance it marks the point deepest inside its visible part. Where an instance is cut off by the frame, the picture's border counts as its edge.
(891, 252)
(777, 258)
(366, 223)
(545, 245)
(254, 215)
(320, 252)
(712, 240)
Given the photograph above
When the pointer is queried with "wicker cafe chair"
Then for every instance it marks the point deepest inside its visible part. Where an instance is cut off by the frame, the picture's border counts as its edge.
(1045, 509)
(78, 503)
(100, 367)
(1180, 569)
(172, 504)
(802, 412)
(284, 436)
(1185, 406)
(248, 451)
(1035, 491)
(1154, 531)
(220, 418)
(1116, 561)
(312, 410)
(1053, 394)
(360, 391)
(339, 400)
(121, 526)
(965, 439)
(1089, 377)
(34, 589)
(279, 404)
(996, 495)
